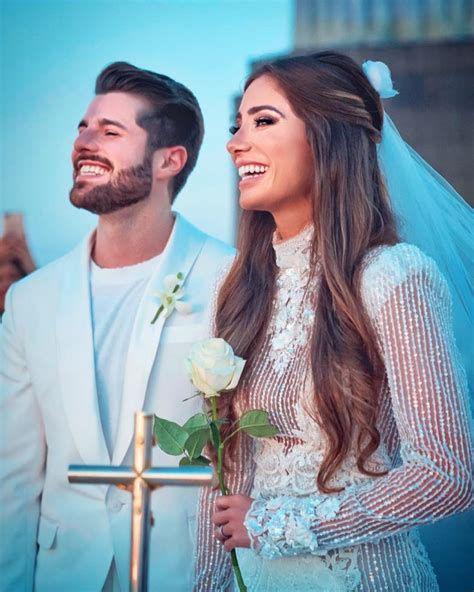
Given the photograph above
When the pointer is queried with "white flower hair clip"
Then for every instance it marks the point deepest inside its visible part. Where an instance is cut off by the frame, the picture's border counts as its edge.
(380, 78)
(170, 297)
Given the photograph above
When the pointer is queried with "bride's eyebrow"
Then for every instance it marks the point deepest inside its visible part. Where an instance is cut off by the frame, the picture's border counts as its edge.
(258, 108)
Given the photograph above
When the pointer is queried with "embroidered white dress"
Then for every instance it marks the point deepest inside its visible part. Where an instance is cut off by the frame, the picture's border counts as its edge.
(362, 539)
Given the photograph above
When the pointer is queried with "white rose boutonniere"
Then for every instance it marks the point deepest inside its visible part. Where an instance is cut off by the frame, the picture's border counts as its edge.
(170, 298)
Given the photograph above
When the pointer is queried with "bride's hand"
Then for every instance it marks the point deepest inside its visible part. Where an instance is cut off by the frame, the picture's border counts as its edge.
(228, 517)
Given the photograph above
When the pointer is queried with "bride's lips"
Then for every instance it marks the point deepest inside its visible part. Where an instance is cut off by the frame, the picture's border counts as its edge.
(249, 181)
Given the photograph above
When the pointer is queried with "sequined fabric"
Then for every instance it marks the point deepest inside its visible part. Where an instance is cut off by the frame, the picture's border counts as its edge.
(363, 539)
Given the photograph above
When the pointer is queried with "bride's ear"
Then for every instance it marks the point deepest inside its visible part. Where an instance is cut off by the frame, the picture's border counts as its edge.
(169, 162)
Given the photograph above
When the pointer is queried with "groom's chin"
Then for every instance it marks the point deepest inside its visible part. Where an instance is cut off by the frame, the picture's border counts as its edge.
(80, 198)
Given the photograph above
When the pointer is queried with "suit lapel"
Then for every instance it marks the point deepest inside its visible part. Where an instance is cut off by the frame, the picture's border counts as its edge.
(76, 358)
(181, 252)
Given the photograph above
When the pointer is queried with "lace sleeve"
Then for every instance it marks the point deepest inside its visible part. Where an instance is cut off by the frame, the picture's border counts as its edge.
(409, 304)
(213, 571)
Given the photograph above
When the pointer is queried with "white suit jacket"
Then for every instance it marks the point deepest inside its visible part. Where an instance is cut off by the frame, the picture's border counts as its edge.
(55, 536)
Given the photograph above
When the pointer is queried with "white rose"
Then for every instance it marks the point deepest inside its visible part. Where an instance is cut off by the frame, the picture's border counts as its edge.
(380, 78)
(213, 367)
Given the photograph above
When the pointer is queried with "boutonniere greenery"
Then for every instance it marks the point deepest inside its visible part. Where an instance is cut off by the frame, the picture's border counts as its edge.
(171, 297)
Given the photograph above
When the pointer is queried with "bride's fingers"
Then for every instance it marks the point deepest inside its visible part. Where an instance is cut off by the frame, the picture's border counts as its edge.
(229, 544)
(230, 512)
(223, 502)
(221, 534)
(233, 542)
(219, 518)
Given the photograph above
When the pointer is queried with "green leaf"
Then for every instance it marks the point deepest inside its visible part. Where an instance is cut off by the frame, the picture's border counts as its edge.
(200, 461)
(170, 436)
(196, 442)
(215, 435)
(256, 424)
(196, 422)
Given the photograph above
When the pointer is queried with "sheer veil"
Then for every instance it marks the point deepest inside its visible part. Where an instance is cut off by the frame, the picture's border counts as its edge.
(431, 215)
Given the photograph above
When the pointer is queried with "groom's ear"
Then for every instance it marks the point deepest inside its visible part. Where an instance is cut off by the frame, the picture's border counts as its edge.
(169, 162)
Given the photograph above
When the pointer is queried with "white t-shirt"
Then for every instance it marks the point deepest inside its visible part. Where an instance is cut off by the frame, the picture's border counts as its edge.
(115, 296)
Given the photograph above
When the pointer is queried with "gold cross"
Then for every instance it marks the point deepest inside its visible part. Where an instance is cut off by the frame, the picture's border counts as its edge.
(141, 480)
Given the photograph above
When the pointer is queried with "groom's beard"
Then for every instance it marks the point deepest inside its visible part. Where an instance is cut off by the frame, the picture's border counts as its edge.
(130, 186)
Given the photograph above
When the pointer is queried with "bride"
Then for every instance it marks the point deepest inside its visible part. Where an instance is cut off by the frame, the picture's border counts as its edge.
(349, 346)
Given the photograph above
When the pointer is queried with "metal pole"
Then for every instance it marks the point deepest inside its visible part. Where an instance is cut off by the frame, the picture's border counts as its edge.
(141, 523)
(101, 474)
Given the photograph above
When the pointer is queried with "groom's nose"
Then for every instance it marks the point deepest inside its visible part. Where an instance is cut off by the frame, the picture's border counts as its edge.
(86, 141)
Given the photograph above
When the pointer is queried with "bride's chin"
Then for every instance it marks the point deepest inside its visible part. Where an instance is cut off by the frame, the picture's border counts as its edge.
(248, 202)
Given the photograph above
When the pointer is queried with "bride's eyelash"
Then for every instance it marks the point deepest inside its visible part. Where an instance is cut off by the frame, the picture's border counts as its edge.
(260, 121)
(264, 120)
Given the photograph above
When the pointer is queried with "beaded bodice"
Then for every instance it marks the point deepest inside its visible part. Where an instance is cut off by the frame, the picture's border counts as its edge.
(291, 461)
(293, 314)
(422, 420)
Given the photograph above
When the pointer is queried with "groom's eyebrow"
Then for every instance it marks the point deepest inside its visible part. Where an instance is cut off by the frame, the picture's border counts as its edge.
(103, 122)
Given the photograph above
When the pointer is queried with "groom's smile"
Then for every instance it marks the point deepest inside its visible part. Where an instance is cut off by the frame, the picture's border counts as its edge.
(90, 168)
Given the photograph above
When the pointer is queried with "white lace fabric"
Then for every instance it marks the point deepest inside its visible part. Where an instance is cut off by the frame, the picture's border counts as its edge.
(363, 538)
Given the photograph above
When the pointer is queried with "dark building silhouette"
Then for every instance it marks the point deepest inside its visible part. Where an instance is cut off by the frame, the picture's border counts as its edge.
(429, 47)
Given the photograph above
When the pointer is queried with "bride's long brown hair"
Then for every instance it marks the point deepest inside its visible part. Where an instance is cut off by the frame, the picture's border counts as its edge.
(351, 213)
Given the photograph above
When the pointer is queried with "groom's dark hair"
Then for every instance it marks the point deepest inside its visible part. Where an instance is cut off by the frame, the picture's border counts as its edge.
(174, 119)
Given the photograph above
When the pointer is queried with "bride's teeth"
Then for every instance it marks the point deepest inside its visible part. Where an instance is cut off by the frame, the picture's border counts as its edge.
(252, 169)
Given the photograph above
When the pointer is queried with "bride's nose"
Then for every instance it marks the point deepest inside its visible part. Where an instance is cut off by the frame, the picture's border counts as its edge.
(238, 143)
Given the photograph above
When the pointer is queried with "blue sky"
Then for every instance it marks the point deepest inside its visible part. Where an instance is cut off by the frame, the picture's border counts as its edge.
(53, 50)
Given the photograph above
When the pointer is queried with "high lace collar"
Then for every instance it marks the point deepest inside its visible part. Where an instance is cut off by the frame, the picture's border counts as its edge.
(295, 252)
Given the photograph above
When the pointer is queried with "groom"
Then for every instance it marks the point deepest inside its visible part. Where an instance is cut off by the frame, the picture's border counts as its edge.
(80, 354)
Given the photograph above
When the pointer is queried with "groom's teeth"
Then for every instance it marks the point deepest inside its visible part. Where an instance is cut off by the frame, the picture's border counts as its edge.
(87, 169)
(252, 169)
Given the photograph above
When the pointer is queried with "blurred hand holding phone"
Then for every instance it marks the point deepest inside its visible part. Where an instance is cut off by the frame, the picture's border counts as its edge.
(15, 257)
(13, 225)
